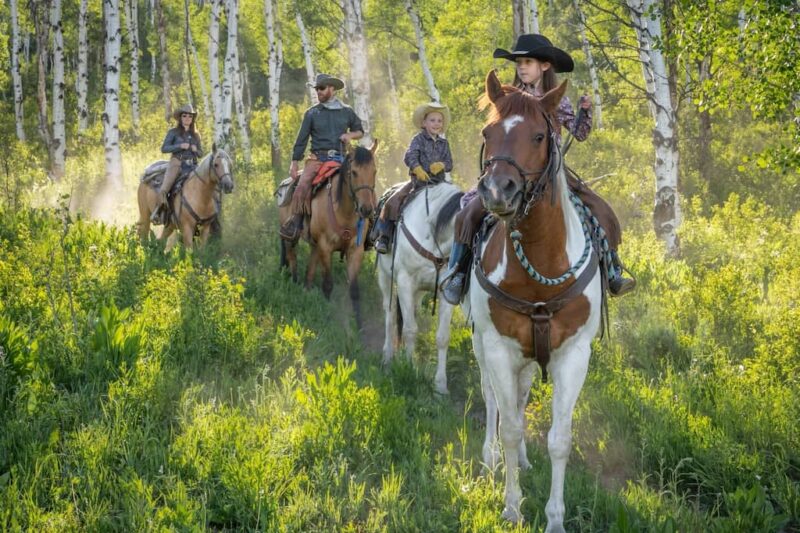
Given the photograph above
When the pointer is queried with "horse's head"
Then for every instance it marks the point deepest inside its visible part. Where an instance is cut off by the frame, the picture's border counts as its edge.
(222, 169)
(361, 170)
(520, 150)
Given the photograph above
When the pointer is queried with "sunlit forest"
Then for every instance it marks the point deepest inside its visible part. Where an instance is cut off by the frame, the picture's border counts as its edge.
(201, 389)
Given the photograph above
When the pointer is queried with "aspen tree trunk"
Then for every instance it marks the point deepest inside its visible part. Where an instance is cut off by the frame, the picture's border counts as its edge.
(132, 21)
(308, 57)
(359, 69)
(705, 156)
(398, 125)
(82, 82)
(519, 14)
(16, 48)
(532, 18)
(111, 13)
(162, 42)
(666, 212)
(42, 34)
(433, 92)
(275, 65)
(227, 82)
(187, 66)
(201, 77)
(597, 107)
(213, 70)
(59, 128)
(233, 78)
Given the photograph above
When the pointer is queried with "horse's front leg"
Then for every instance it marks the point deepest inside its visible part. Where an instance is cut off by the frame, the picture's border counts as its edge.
(204, 234)
(408, 299)
(187, 232)
(568, 373)
(166, 233)
(491, 448)
(354, 257)
(442, 343)
(389, 310)
(500, 362)
(524, 382)
(324, 257)
(311, 268)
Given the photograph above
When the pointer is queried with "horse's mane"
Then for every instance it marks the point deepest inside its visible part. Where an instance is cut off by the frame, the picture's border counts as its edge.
(361, 157)
(514, 102)
(447, 212)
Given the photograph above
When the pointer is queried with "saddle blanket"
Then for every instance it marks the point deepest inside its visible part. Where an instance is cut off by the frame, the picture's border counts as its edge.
(283, 194)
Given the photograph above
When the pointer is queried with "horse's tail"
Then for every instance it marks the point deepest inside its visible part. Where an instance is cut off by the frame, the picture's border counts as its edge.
(448, 212)
(399, 321)
(284, 263)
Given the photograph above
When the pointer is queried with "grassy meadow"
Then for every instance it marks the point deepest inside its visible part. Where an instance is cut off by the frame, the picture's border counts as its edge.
(206, 392)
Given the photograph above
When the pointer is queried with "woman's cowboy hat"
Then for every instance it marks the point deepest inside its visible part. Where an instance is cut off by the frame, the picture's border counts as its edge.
(185, 108)
(323, 80)
(538, 47)
(422, 111)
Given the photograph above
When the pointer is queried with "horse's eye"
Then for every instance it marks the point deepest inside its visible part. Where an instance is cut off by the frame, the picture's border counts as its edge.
(539, 137)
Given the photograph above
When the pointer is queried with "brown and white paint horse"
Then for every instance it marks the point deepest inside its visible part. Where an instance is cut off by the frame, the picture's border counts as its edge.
(333, 226)
(521, 168)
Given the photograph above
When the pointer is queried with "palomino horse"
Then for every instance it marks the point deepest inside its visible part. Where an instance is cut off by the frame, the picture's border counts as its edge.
(338, 223)
(421, 250)
(520, 315)
(195, 206)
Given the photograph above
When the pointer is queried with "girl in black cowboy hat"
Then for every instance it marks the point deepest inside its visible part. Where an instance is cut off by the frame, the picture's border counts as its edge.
(183, 142)
(537, 62)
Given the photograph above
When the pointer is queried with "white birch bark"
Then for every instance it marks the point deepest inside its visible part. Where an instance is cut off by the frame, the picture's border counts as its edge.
(275, 66)
(162, 44)
(227, 82)
(433, 91)
(532, 17)
(234, 99)
(395, 111)
(59, 128)
(42, 50)
(213, 70)
(519, 14)
(201, 76)
(597, 107)
(666, 212)
(359, 69)
(82, 81)
(308, 57)
(113, 43)
(16, 48)
(132, 23)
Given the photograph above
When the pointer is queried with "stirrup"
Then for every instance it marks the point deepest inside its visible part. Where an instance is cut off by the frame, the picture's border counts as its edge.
(453, 287)
(383, 245)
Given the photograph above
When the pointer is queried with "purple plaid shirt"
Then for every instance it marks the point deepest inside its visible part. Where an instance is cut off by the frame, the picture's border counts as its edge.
(566, 116)
(424, 150)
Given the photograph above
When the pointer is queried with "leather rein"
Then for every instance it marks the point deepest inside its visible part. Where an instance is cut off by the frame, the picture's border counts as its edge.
(198, 220)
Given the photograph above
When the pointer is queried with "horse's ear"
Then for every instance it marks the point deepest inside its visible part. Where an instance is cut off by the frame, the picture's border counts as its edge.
(494, 89)
(552, 98)
(374, 147)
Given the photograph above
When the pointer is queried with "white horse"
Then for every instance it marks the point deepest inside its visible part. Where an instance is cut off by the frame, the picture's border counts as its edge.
(521, 168)
(423, 239)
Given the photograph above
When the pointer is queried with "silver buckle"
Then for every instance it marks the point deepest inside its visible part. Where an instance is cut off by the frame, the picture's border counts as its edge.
(332, 153)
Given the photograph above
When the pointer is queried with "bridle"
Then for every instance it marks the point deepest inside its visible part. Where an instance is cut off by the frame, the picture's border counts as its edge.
(534, 189)
(353, 190)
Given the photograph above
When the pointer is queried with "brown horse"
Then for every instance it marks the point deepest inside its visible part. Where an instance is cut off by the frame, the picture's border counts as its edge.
(338, 223)
(535, 291)
(196, 205)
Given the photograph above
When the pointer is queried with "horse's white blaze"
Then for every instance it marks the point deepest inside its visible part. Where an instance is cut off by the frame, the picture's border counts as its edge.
(414, 274)
(506, 377)
(512, 121)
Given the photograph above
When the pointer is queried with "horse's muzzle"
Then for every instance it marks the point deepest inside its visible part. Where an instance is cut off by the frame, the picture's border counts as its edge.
(227, 186)
(365, 210)
(500, 194)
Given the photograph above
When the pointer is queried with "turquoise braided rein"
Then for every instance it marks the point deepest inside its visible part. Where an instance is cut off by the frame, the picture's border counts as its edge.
(587, 220)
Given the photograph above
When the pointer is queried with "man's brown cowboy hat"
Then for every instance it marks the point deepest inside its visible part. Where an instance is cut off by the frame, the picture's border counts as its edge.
(323, 80)
(185, 109)
(538, 47)
(423, 110)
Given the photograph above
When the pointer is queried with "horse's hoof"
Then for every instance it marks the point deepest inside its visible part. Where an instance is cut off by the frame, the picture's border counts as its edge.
(512, 515)
(524, 464)
(442, 391)
(555, 528)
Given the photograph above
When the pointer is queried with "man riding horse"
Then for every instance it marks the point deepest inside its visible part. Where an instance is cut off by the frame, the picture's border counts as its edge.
(327, 123)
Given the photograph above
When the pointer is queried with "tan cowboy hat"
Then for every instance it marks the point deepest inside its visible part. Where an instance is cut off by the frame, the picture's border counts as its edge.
(323, 80)
(422, 111)
(185, 108)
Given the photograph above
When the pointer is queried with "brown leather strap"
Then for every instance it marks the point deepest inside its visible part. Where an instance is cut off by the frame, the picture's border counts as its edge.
(438, 262)
(540, 313)
(344, 233)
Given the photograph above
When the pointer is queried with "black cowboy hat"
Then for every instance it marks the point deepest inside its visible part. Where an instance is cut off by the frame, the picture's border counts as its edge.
(538, 47)
(323, 80)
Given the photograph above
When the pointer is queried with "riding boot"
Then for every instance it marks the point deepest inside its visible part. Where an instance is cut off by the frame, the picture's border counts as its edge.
(453, 281)
(290, 231)
(386, 233)
(619, 285)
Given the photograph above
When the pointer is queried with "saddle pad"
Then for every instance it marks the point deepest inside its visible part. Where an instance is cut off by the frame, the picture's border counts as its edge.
(283, 194)
(327, 170)
(154, 173)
